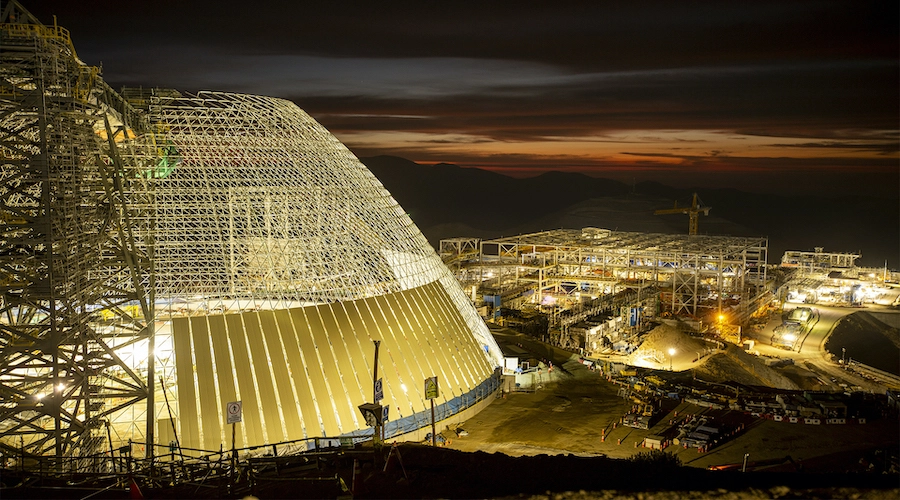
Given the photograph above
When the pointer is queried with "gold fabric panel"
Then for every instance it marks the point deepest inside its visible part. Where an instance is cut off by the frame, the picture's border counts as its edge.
(435, 348)
(346, 352)
(282, 377)
(455, 342)
(225, 374)
(305, 370)
(332, 342)
(460, 347)
(393, 367)
(264, 383)
(210, 411)
(189, 437)
(303, 327)
(416, 363)
(455, 375)
(472, 357)
(252, 416)
(365, 349)
(165, 435)
(354, 365)
(298, 373)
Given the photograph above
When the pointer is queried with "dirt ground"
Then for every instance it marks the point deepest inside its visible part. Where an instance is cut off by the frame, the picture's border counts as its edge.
(577, 416)
(569, 418)
(563, 441)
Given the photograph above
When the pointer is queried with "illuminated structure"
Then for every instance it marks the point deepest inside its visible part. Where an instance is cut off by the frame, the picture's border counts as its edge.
(821, 277)
(176, 253)
(819, 261)
(695, 274)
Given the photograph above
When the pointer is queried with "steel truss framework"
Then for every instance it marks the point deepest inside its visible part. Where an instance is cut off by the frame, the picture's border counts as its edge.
(690, 269)
(226, 246)
(818, 261)
(73, 291)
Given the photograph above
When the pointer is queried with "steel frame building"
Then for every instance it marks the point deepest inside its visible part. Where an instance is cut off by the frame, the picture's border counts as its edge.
(818, 261)
(696, 273)
(68, 254)
(164, 254)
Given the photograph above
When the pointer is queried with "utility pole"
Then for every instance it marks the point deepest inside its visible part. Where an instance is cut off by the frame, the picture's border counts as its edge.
(376, 438)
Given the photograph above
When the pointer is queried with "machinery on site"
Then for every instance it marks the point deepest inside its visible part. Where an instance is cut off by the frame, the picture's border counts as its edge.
(697, 432)
(801, 315)
(796, 323)
(641, 416)
(787, 334)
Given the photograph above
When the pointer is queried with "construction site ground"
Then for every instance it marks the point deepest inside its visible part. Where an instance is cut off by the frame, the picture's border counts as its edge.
(565, 418)
(571, 415)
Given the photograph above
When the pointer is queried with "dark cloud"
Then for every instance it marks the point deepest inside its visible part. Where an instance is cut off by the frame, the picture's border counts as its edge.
(818, 78)
(597, 35)
(807, 102)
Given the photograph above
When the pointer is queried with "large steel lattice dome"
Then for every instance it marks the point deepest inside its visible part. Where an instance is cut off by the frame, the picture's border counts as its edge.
(278, 259)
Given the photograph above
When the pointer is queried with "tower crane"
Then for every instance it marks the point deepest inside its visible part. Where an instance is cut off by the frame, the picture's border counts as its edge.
(693, 212)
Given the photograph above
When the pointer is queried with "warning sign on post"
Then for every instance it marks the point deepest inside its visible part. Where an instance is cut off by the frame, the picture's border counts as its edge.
(233, 412)
(431, 388)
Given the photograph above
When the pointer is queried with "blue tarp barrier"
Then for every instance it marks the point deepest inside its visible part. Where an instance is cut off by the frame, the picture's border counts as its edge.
(442, 411)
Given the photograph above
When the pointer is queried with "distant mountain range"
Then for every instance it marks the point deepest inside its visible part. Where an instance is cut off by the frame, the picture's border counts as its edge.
(446, 200)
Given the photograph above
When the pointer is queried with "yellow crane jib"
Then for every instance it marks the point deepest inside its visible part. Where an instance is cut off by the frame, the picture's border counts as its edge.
(693, 212)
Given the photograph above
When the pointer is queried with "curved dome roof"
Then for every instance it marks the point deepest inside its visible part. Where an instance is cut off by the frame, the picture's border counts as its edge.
(255, 200)
(278, 259)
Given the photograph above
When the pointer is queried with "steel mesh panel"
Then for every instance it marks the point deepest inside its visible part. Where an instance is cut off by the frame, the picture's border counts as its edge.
(262, 203)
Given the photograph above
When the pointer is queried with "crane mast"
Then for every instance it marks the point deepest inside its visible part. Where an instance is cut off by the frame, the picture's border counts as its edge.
(692, 211)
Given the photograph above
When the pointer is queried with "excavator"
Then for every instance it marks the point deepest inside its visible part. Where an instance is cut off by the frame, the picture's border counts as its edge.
(693, 212)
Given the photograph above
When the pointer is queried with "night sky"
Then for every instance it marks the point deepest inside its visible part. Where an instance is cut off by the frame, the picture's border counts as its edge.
(781, 96)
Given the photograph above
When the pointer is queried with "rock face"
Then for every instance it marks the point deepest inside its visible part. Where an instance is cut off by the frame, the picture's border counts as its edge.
(867, 339)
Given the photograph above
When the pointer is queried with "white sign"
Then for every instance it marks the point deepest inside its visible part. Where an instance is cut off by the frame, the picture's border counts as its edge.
(384, 414)
(233, 412)
(379, 390)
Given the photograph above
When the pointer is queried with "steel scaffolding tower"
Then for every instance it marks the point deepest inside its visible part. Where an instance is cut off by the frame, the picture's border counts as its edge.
(74, 299)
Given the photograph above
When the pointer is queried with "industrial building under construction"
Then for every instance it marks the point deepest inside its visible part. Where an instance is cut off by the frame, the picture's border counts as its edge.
(565, 272)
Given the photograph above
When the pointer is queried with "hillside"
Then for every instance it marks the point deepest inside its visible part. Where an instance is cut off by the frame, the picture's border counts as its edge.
(868, 340)
(446, 201)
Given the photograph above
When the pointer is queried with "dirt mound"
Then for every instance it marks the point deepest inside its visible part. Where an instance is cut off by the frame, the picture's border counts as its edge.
(867, 340)
(736, 365)
(806, 379)
(654, 351)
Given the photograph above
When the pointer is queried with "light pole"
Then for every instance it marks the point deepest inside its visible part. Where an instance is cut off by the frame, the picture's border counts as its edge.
(843, 356)
(671, 353)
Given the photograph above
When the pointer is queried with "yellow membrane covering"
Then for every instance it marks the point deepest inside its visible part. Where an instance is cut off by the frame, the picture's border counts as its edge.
(302, 372)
